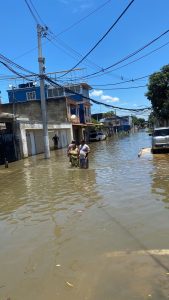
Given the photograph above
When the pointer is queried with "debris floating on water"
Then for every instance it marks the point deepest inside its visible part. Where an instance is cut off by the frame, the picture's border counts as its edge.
(69, 284)
(144, 151)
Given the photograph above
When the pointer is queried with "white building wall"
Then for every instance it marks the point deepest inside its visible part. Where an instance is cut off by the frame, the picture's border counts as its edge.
(31, 136)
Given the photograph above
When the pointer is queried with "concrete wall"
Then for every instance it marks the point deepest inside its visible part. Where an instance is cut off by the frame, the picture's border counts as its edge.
(56, 110)
(29, 124)
(31, 137)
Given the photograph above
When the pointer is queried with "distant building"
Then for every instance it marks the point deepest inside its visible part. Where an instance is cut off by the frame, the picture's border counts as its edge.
(114, 123)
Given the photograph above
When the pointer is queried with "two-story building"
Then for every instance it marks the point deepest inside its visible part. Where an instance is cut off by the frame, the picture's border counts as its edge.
(68, 115)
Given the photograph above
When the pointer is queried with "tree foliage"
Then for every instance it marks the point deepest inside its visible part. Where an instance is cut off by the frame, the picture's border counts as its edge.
(109, 114)
(158, 93)
(140, 122)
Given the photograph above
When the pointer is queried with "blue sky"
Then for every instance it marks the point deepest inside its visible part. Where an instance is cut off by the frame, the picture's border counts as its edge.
(144, 21)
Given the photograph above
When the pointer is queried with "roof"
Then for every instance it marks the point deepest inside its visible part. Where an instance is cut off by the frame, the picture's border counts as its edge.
(161, 128)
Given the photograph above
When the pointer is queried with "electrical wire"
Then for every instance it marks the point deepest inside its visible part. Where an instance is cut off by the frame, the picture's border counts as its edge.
(121, 82)
(137, 59)
(60, 41)
(130, 55)
(31, 11)
(102, 38)
(56, 36)
(82, 19)
(53, 83)
(123, 88)
(9, 61)
(70, 91)
(13, 71)
(37, 12)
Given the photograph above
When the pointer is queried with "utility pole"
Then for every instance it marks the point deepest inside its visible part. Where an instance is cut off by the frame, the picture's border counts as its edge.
(42, 31)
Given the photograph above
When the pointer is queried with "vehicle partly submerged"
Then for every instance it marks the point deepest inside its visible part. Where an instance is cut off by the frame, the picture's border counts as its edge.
(160, 139)
(97, 136)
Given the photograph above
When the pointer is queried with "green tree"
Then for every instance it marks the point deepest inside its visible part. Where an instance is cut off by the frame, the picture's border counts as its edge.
(140, 122)
(109, 114)
(158, 93)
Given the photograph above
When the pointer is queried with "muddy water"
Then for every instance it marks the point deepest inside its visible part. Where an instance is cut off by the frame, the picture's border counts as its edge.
(86, 234)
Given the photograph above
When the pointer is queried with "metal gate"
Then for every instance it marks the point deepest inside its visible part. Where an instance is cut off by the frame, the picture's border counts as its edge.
(7, 147)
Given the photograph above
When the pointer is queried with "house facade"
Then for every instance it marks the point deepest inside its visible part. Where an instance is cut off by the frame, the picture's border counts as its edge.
(114, 123)
(78, 105)
(68, 116)
(28, 128)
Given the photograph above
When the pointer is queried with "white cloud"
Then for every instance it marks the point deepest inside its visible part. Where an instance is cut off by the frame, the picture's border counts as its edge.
(106, 98)
(109, 98)
(80, 5)
(95, 93)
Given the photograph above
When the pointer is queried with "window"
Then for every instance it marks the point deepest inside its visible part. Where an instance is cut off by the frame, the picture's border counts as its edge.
(55, 92)
(161, 132)
(31, 95)
(50, 93)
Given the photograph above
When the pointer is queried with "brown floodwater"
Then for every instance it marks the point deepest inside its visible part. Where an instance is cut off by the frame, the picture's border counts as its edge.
(100, 233)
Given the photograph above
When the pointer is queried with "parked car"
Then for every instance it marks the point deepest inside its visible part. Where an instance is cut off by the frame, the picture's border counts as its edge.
(97, 136)
(160, 139)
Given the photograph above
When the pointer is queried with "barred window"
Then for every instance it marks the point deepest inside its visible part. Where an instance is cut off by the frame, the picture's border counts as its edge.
(31, 95)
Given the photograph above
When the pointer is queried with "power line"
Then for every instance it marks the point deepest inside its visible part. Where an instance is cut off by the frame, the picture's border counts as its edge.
(13, 71)
(124, 88)
(121, 82)
(107, 32)
(56, 36)
(53, 83)
(31, 11)
(70, 91)
(37, 12)
(130, 55)
(85, 17)
(141, 57)
(15, 65)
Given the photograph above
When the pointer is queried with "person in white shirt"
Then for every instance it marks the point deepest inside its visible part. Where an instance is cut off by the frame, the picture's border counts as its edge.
(83, 154)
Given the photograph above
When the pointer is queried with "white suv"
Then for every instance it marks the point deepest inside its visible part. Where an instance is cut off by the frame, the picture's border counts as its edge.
(97, 136)
(160, 139)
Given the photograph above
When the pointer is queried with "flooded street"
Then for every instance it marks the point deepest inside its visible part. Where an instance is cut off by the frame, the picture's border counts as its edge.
(100, 233)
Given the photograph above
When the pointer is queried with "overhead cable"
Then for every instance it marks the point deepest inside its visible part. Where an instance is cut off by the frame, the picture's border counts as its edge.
(54, 36)
(121, 82)
(31, 11)
(103, 37)
(139, 58)
(53, 83)
(9, 61)
(85, 17)
(130, 55)
(123, 88)
(73, 92)
(13, 71)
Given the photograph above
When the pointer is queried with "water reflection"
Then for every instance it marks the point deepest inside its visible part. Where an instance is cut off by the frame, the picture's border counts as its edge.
(55, 228)
(160, 177)
(42, 188)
